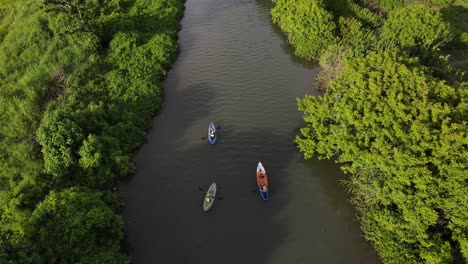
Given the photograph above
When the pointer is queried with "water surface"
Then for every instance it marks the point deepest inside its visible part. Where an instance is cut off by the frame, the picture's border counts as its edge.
(235, 69)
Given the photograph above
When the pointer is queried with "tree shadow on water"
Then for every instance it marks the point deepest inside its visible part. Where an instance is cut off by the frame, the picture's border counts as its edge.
(285, 46)
(163, 205)
(341, 220)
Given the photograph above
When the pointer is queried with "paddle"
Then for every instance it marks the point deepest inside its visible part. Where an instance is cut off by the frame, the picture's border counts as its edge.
(218, 192)
(218, 128)
(217, 197)
(201, 189)
(256, 190)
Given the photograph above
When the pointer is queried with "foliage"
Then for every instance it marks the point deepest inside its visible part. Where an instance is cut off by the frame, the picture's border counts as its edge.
(359, 39)
(402, 134)
(391, 4)
(388, 5)
(74, 226)
(349, 9)
(309, 26)
(356, 41)
(438, 2)
(457, 18)
(59, 137)
(80, 82)
(14, 246)
(331, 63)
(396, 128)
(19, 101)
(423, 32)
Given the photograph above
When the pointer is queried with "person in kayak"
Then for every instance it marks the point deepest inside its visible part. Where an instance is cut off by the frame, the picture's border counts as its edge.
(264, 188)
(208, 198)
(212, 133)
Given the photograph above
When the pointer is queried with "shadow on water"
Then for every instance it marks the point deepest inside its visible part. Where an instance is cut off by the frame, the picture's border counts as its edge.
(330, 178)
(227, 62)
(165, 220)
(285, 45)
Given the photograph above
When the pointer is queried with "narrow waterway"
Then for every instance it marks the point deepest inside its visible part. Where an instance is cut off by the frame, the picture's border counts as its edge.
(235, 69)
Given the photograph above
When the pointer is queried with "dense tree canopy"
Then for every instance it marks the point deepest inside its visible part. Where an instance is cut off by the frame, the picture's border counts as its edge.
(308, 24)
(424, 30)
(395, 115)
(80, 82)
(403, 137)
(76, 226)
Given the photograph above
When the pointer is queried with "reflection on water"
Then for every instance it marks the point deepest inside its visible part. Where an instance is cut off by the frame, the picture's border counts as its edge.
(236, 70)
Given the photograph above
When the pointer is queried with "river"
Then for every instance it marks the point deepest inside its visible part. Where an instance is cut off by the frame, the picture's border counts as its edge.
(236, 69)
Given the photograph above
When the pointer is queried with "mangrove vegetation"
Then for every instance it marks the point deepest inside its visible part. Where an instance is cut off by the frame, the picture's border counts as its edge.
(394, 115)
(80, 80)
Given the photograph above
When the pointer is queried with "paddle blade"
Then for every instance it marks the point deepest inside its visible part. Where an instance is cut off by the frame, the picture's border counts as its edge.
(219, 127)
(203, 138)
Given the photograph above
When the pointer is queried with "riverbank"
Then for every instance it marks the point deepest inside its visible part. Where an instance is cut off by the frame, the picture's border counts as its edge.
(385, 78)
(81, 84)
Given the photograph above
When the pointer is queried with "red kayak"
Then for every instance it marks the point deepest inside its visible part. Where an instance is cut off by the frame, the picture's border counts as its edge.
(262, 182)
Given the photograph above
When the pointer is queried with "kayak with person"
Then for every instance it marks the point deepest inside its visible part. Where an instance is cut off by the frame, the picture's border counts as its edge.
(209, 197)
(212, 135)
(262, 182)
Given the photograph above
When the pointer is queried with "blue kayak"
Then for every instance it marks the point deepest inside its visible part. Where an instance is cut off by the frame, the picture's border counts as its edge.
(212, 134)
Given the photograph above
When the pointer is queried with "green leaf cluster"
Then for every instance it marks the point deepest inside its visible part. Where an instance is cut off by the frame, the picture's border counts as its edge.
(385, 6)
(77, 226)
(394, 115)
(81, 80)
(402, 135)
(423, 32)
(350, 9)
(308, 25)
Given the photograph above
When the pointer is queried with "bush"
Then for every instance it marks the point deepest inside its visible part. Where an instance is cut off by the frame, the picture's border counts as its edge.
(76, 226)
(308, 25)
(418, 29)
(81, 80)
(401, 134)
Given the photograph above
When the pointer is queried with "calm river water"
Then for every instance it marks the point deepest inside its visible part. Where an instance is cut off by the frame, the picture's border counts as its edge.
(236, 69)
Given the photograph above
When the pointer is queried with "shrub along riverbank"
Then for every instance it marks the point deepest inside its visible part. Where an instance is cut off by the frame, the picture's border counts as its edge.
(80, 82)
(394, 114)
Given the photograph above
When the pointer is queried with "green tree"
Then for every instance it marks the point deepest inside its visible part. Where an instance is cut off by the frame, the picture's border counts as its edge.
(14, 244)
(77, 226)
(402, 135)
(69, 16)
(80, 82)
(358, 39)
(349, 9)
(60, 136)
(417, 28)
(308, 25)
